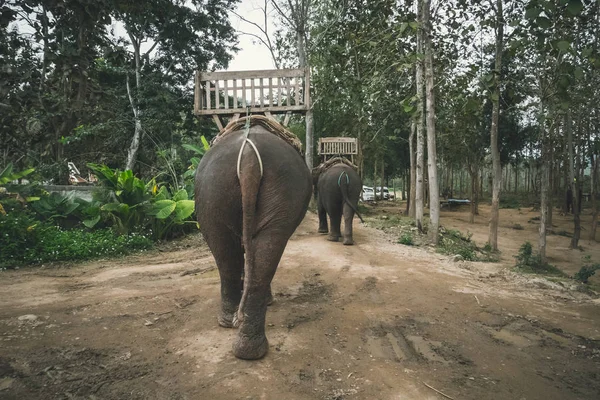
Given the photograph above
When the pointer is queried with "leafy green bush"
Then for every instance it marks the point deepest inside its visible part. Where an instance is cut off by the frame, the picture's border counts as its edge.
(406, 239)
(586, 272)
(531, 262)
(26, 241)
(453, 242)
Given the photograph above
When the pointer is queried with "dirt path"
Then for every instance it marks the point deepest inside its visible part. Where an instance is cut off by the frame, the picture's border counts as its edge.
(373, 321)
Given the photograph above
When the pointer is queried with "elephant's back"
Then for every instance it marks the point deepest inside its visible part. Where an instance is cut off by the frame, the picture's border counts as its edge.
(218, 190)
(338, 172)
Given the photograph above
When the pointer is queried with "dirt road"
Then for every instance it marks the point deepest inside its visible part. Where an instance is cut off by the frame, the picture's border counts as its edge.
(377, 320)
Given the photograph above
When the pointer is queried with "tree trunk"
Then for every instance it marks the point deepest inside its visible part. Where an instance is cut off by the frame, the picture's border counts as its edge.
(573, 183)
(496, 167)
(137, 134)
(420, 139)
(474, 183)
(594, 183)
(550, 172)
(382, 180)
(413, 170)
(434, 195)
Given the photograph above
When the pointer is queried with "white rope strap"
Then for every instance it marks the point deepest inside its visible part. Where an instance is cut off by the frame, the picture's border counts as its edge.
(239, 160)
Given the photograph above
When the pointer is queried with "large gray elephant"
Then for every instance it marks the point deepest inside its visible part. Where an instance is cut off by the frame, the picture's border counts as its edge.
(252, 191)
(337, 188)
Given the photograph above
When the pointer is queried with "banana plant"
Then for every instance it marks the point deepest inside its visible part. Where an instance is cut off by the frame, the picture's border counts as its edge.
(195, 160)
(170, 212)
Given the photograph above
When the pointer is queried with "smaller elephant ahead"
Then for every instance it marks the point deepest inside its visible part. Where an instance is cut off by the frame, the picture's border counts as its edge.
(337, 188)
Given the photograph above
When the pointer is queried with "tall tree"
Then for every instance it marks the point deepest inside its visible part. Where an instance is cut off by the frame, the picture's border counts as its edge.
(434, 200)
(419, 184)
(495, 97)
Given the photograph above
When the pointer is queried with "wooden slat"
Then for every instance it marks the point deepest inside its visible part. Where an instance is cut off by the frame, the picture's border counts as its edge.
(268, 73)
(207, 90)
(286, 120)
(218, 122)
(270, 92)
(262, 93)
(217, 95)
(226, 92)
(279, 89)
(297, 90)
(252, 92)
(235, 99)
(244, 101)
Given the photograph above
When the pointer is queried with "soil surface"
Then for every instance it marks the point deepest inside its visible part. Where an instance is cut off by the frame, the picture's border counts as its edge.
(378, 320)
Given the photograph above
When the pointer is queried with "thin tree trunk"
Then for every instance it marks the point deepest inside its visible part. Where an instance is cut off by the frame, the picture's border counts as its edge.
(420, 139)
(574, 183)
(137, 134)
(382, 180)
(497, 169)
(594, 183)
(413, 170)
(434, 195)
(550, 167)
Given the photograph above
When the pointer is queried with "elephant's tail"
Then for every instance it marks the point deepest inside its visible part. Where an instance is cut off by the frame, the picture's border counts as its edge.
(250, 177)
(344, 183)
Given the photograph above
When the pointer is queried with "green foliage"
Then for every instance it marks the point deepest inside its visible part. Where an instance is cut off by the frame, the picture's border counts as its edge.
(24, 240)
(55, 206)
(586, 272)
(530, 262)
(198, 153)
(406, 239)
(7, 175)
(454, 242)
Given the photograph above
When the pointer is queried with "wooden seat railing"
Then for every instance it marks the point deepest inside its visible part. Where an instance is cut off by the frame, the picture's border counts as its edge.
(234, 93)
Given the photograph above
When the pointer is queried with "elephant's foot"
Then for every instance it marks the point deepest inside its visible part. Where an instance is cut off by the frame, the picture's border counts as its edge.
(250, 347)
(333, 238)
(323, 230)
(225, 320)
(348, 241)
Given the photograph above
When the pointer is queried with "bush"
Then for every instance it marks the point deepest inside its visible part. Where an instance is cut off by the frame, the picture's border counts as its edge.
(518, 227)
(531, 262)
(27, 241)
(453, 242)
(586, 272)
(406, 239)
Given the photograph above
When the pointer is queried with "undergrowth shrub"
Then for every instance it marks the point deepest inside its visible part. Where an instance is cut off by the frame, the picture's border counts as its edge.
(453, 242)
(531, 262)
(406, 239)
(586, 272)
(24, 240)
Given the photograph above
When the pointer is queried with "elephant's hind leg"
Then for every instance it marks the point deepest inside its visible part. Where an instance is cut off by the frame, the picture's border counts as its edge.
(252, 342)
(348, 217)
(335, 219)
(227, 250)
(323, 227)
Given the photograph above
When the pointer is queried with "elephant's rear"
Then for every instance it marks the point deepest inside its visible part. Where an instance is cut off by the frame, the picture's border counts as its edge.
(254, 193)
(283, 191)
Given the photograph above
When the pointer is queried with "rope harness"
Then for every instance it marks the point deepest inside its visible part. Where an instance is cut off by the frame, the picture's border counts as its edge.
(246, 140)
(340, 178)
